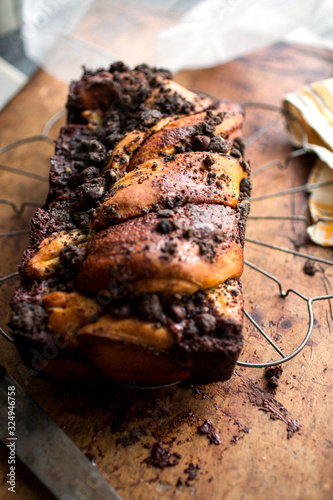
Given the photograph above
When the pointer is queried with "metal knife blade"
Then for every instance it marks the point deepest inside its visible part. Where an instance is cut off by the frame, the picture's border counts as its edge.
(47, 451)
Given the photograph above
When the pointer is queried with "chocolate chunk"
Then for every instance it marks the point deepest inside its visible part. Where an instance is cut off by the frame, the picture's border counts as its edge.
(245, 166)
(199, 297)
(239, 143)
(310, 268)
(150, 116)
(167, 157)
(165, 226)
(71, 256)
(96, 152)
(235, 153)
(89, 193)
(180, 149)
(208, 428)
(273, 382)
(118, 66)
(82, 219)
(246, 187)
(200, 142)
(208, 127)
(206, 323)
(209, 160)
(177, 312)
(135, 435)
(169, 202)
(88, 174)
(149, 306)
(192, 471)
(273, 374)
(274, 371)
(162, 457)
(169, 249)
(188, 232)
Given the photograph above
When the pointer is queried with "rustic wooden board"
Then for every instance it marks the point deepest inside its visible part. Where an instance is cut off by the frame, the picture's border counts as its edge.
(118, 425)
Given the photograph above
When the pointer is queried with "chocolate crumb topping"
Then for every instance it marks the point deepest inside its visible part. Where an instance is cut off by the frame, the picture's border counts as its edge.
(235, 153)
(239, 143)
(165, 226)
(209, 160)
(28, 318)
(218, 145)
(168, 250)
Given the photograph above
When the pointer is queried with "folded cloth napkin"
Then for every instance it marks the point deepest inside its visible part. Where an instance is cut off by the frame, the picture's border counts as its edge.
(310, 125)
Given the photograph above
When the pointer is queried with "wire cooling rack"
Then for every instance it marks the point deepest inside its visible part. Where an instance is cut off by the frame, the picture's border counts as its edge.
(258, 338)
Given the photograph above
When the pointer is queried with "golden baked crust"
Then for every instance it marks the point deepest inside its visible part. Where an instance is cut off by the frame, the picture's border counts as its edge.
(202, 249)
(186, 179)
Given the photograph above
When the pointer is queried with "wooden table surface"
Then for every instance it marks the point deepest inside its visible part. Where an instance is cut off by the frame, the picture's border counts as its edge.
(276, 445)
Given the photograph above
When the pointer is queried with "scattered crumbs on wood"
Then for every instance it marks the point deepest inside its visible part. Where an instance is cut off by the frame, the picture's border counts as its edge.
(208, 428)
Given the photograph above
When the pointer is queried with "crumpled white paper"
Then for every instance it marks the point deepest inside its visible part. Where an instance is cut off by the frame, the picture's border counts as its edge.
(63, 35)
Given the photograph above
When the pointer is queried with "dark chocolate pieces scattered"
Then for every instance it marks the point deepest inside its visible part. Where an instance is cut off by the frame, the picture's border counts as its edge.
(208, 428)
(200, 142)
(165, 226)
(162, 457)
(135, 435)
(273, 374)
(310, 268)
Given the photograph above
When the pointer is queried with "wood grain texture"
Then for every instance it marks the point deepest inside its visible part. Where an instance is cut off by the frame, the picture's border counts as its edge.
(119, 425)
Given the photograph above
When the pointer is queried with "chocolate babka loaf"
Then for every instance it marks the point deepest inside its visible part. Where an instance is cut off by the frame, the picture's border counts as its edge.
(133, 266)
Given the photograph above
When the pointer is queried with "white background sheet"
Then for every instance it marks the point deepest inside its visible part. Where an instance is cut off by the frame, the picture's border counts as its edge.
(61, 35)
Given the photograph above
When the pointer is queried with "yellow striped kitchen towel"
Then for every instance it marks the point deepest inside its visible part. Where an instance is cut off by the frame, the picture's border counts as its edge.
(310, 124)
